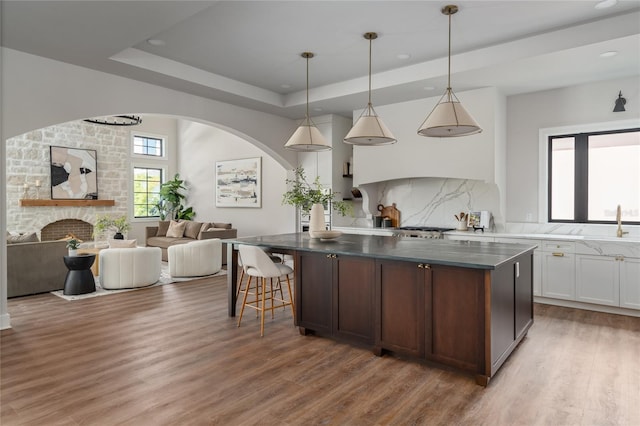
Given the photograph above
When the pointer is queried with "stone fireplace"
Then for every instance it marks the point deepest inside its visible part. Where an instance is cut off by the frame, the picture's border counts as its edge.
(61, 228)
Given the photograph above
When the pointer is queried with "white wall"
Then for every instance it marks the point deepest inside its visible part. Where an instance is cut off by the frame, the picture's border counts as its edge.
(200, 147)
(38, 92)
(528, 113)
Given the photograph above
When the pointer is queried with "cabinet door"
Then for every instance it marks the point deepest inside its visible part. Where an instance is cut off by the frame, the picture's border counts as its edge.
(558, 275)
(597, 280)
(399, 308)
(314, 277)
(524, 275)
(629, 283)
(455, 326)
(353, 298)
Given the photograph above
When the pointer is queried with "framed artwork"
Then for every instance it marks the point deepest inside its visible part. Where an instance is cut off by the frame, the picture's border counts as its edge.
(473, 219)
(74, 173)
(239, 183)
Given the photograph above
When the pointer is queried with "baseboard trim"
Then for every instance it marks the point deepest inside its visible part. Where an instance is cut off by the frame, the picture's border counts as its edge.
(587, 306)
(5, 321)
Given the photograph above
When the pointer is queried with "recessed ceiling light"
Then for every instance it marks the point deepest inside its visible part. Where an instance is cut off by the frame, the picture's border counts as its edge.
(318, 109)
(285, 86)
(403, 56)
(604, 4)
(608, 54)
(429, 88)
(156, 42)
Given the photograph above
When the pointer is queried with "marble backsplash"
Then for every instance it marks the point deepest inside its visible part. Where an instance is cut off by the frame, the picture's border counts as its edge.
(427, 202)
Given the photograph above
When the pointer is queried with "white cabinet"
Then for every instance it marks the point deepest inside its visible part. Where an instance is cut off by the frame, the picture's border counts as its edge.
(597, 279)
(558, 270)
(629, 282)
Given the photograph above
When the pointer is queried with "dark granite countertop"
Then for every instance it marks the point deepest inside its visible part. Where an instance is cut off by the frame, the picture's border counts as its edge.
(466, 254)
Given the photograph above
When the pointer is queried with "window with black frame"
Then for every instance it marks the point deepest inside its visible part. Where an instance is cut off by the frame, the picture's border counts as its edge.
(590, 174)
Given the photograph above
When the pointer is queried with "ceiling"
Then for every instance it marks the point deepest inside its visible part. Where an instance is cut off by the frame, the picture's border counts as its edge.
(248, 52)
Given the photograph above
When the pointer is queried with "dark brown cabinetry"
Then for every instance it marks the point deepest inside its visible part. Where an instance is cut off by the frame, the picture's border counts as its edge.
(470, 319)
(334, 295)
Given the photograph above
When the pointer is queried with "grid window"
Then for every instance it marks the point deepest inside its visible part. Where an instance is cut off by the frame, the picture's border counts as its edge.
(146, 191)
(144, 145)
(590, 174)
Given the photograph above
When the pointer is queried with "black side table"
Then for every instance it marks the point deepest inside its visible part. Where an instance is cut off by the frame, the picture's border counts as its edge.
(79, 277)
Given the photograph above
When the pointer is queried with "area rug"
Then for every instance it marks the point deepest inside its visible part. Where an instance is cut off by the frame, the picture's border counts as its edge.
(165, 278)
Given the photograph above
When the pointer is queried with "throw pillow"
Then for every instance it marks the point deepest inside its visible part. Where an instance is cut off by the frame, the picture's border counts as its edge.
(24, 238)
(163, 226)
(176, 229)
(222, 225)
(192, 229)
(123, 243)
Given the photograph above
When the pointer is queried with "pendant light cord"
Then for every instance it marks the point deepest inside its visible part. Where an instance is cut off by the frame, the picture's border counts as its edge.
(449, 69)
(370, 41)
(308, 87)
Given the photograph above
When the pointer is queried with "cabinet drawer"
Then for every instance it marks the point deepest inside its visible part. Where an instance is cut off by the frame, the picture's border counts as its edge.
(559, 246)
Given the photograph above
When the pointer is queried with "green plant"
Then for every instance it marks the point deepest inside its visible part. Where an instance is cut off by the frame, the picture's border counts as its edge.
(170, 206)
(73, 244)
(304, 194)
(117, 224)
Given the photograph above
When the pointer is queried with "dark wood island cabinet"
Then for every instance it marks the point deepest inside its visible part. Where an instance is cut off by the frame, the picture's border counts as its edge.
(461, 304)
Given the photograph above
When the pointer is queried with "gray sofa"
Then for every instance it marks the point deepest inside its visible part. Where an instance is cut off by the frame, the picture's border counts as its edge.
(155, 236)
(35, 267)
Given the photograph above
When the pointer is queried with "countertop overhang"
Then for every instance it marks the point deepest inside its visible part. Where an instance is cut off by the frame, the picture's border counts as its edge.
(466, 254)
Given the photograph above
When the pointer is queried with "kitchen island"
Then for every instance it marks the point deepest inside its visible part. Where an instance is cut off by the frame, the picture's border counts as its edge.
(460, 304)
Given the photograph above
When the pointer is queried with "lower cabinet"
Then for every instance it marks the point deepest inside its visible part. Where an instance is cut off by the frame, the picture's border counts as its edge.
(629, 282)
(597, 279)
(558, 270)
(470, 319)
(334, 295)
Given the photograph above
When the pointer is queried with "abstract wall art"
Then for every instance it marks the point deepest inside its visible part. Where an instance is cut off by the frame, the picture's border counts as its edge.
(74, 173)
(238, 183)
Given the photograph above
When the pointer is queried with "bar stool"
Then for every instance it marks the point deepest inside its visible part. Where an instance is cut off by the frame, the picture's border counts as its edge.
(257, 263)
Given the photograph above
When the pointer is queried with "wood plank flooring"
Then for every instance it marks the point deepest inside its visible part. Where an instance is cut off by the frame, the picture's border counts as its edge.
(169, 355)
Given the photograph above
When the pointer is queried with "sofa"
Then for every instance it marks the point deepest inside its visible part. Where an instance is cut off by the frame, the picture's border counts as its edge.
(35, 267)
(157, 236)
(196, 258)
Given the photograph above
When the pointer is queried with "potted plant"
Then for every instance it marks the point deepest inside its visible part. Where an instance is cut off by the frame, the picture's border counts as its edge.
(73, 245)
(118, 224)
(170, 206)
(312, 198)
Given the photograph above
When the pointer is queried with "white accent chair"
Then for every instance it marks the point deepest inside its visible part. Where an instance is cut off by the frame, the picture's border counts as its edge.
(129, 267)
(257, 263)
(195, 259)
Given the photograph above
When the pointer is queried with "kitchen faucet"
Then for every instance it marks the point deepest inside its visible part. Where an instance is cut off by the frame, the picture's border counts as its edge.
(619, 232)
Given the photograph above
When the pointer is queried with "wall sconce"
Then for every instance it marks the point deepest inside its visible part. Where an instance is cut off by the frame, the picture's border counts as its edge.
(620, 103)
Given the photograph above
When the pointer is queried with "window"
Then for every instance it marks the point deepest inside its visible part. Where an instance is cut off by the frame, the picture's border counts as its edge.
(590, 174)
(146, 191)
(147, 145)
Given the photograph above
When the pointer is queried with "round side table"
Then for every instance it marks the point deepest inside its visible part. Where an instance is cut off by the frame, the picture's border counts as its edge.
(79, 277)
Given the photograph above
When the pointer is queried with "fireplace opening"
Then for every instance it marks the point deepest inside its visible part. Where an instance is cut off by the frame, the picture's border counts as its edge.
(61, 228)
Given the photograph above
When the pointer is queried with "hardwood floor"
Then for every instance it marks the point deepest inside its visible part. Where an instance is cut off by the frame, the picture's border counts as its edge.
(170, 355)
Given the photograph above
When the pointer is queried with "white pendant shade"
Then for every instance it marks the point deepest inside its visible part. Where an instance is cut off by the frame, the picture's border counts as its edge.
(307, 137)
(369, 130)
(449, 119)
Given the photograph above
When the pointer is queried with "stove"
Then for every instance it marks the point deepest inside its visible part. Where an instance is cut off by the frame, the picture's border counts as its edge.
(421, 232)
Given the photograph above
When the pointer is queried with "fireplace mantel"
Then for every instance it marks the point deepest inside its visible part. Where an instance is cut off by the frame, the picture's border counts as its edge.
(65, 203)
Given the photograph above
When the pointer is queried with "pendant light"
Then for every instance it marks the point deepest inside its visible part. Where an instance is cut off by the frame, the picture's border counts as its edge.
(369, 129)
(449, 118)
(307, 137)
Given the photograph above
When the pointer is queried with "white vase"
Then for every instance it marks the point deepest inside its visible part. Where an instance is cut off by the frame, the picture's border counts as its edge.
(462, 225)
(73, 252)
(316, 219)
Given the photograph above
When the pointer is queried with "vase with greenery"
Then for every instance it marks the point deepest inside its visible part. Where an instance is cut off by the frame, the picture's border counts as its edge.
(118, 225)
(170, 206)
(305, 196)
(73, 245)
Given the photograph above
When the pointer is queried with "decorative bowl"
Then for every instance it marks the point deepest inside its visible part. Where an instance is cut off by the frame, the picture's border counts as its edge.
(325, 235)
